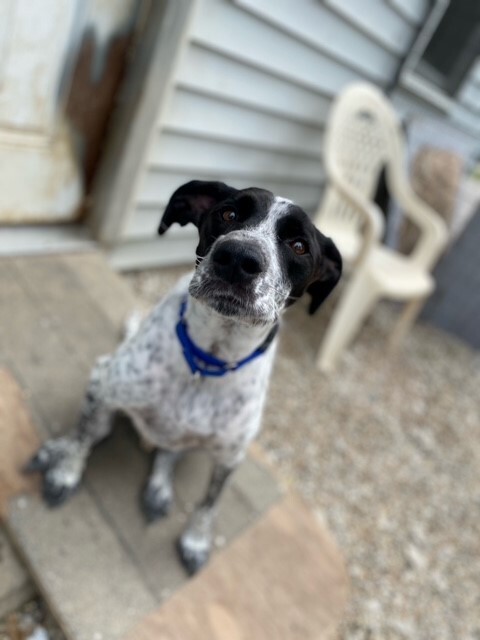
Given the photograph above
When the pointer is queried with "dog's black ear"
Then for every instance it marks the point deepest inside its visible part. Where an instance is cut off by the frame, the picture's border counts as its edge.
(329, 272)
(191, 200)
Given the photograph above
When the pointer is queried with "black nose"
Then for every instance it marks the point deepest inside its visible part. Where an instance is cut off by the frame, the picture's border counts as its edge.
(237, 262)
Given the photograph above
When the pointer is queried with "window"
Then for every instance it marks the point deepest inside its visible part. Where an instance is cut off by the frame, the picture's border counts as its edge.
(453, 46)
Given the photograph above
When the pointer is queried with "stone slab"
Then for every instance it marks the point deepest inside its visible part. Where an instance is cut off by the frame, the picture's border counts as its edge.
(57, 314)
(96, 560)
(32, 346)
(91, 585)
(116, 475)
(103, 286)
(70, 309)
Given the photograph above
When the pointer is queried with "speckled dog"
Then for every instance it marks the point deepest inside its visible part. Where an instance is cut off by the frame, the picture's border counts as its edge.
(196, 372)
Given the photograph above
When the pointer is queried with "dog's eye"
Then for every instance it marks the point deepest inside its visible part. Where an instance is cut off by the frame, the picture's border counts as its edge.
(299, 246)
(229, 215)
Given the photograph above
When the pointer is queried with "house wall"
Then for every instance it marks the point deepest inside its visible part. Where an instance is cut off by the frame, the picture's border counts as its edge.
(248, 100)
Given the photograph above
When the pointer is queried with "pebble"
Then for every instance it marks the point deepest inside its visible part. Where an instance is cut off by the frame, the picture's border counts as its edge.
(415, 558)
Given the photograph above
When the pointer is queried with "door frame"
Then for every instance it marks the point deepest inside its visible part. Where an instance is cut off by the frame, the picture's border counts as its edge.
(148, 86)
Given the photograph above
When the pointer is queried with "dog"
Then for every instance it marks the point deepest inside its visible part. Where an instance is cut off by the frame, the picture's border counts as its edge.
(195, 375)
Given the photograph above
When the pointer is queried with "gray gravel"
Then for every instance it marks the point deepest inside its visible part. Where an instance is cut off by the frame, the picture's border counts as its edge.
(30, 622)
(388, 451)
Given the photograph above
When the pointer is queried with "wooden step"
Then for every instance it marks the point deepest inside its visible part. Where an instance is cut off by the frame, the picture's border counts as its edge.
(284, 578)
(17, 441)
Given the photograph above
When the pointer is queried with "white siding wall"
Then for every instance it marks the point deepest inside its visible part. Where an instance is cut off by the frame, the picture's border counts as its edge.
(249, 99)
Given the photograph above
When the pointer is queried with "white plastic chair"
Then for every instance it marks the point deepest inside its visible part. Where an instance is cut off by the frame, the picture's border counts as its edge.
(363, 136)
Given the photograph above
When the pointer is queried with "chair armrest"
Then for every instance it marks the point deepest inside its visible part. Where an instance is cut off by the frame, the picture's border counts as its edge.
(370, 213)
(433, 230)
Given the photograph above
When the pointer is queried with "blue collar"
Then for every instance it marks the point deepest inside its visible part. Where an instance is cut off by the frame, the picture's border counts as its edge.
(204, 364)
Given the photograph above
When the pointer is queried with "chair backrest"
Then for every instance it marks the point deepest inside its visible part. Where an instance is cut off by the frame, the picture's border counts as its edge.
(358, 141)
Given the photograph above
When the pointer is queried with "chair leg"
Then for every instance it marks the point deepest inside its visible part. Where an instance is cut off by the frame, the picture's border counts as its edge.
(354, 306)
(404, 323)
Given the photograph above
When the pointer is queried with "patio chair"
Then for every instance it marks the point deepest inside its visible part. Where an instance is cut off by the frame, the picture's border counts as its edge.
(364, 136)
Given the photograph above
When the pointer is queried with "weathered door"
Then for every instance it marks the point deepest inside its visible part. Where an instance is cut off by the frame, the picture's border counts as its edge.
(39, 178)
(61, 64)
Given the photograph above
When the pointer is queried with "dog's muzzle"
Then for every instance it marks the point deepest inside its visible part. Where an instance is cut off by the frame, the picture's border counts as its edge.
(237, 262)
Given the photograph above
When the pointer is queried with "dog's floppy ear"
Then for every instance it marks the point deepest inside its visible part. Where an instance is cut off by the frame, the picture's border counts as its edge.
(329, 272)
(191, 200)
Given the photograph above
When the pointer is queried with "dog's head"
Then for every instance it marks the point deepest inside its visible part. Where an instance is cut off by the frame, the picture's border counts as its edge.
(257, 253)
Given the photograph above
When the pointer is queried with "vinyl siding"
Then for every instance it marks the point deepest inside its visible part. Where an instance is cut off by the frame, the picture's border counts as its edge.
(250, 95)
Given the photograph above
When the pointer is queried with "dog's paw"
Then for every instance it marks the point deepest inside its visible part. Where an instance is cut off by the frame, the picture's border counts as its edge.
(156, 503)
(56, 490)
(46, 457)
(39, 462)
(61, 463)
(193, 557)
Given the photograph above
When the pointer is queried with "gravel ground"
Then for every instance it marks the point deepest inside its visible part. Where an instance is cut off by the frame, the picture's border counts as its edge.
(388, 451)
(31, 622)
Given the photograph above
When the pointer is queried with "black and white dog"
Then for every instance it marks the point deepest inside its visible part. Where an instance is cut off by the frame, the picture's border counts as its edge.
(196, 372)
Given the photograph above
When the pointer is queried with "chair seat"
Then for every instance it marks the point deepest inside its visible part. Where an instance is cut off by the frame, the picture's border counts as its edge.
(396, 274)
(346, 239)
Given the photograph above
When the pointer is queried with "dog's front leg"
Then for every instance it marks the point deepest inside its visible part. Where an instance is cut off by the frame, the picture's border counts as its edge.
(195, 543)
(62, 460)
(157, 497)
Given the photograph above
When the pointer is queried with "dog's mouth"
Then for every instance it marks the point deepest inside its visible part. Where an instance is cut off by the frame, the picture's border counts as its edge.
(229, 300)
(230, 304)
(224, 300)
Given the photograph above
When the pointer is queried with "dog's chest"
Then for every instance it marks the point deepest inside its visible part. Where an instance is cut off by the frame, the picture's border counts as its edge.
(150, 379)
(197, 411)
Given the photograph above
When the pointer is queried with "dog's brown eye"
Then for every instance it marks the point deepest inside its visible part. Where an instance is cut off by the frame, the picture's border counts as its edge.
(299, 247)
(229, 215)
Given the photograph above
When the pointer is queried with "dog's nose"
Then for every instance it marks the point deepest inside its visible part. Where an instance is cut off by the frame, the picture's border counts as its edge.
(237, 262)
